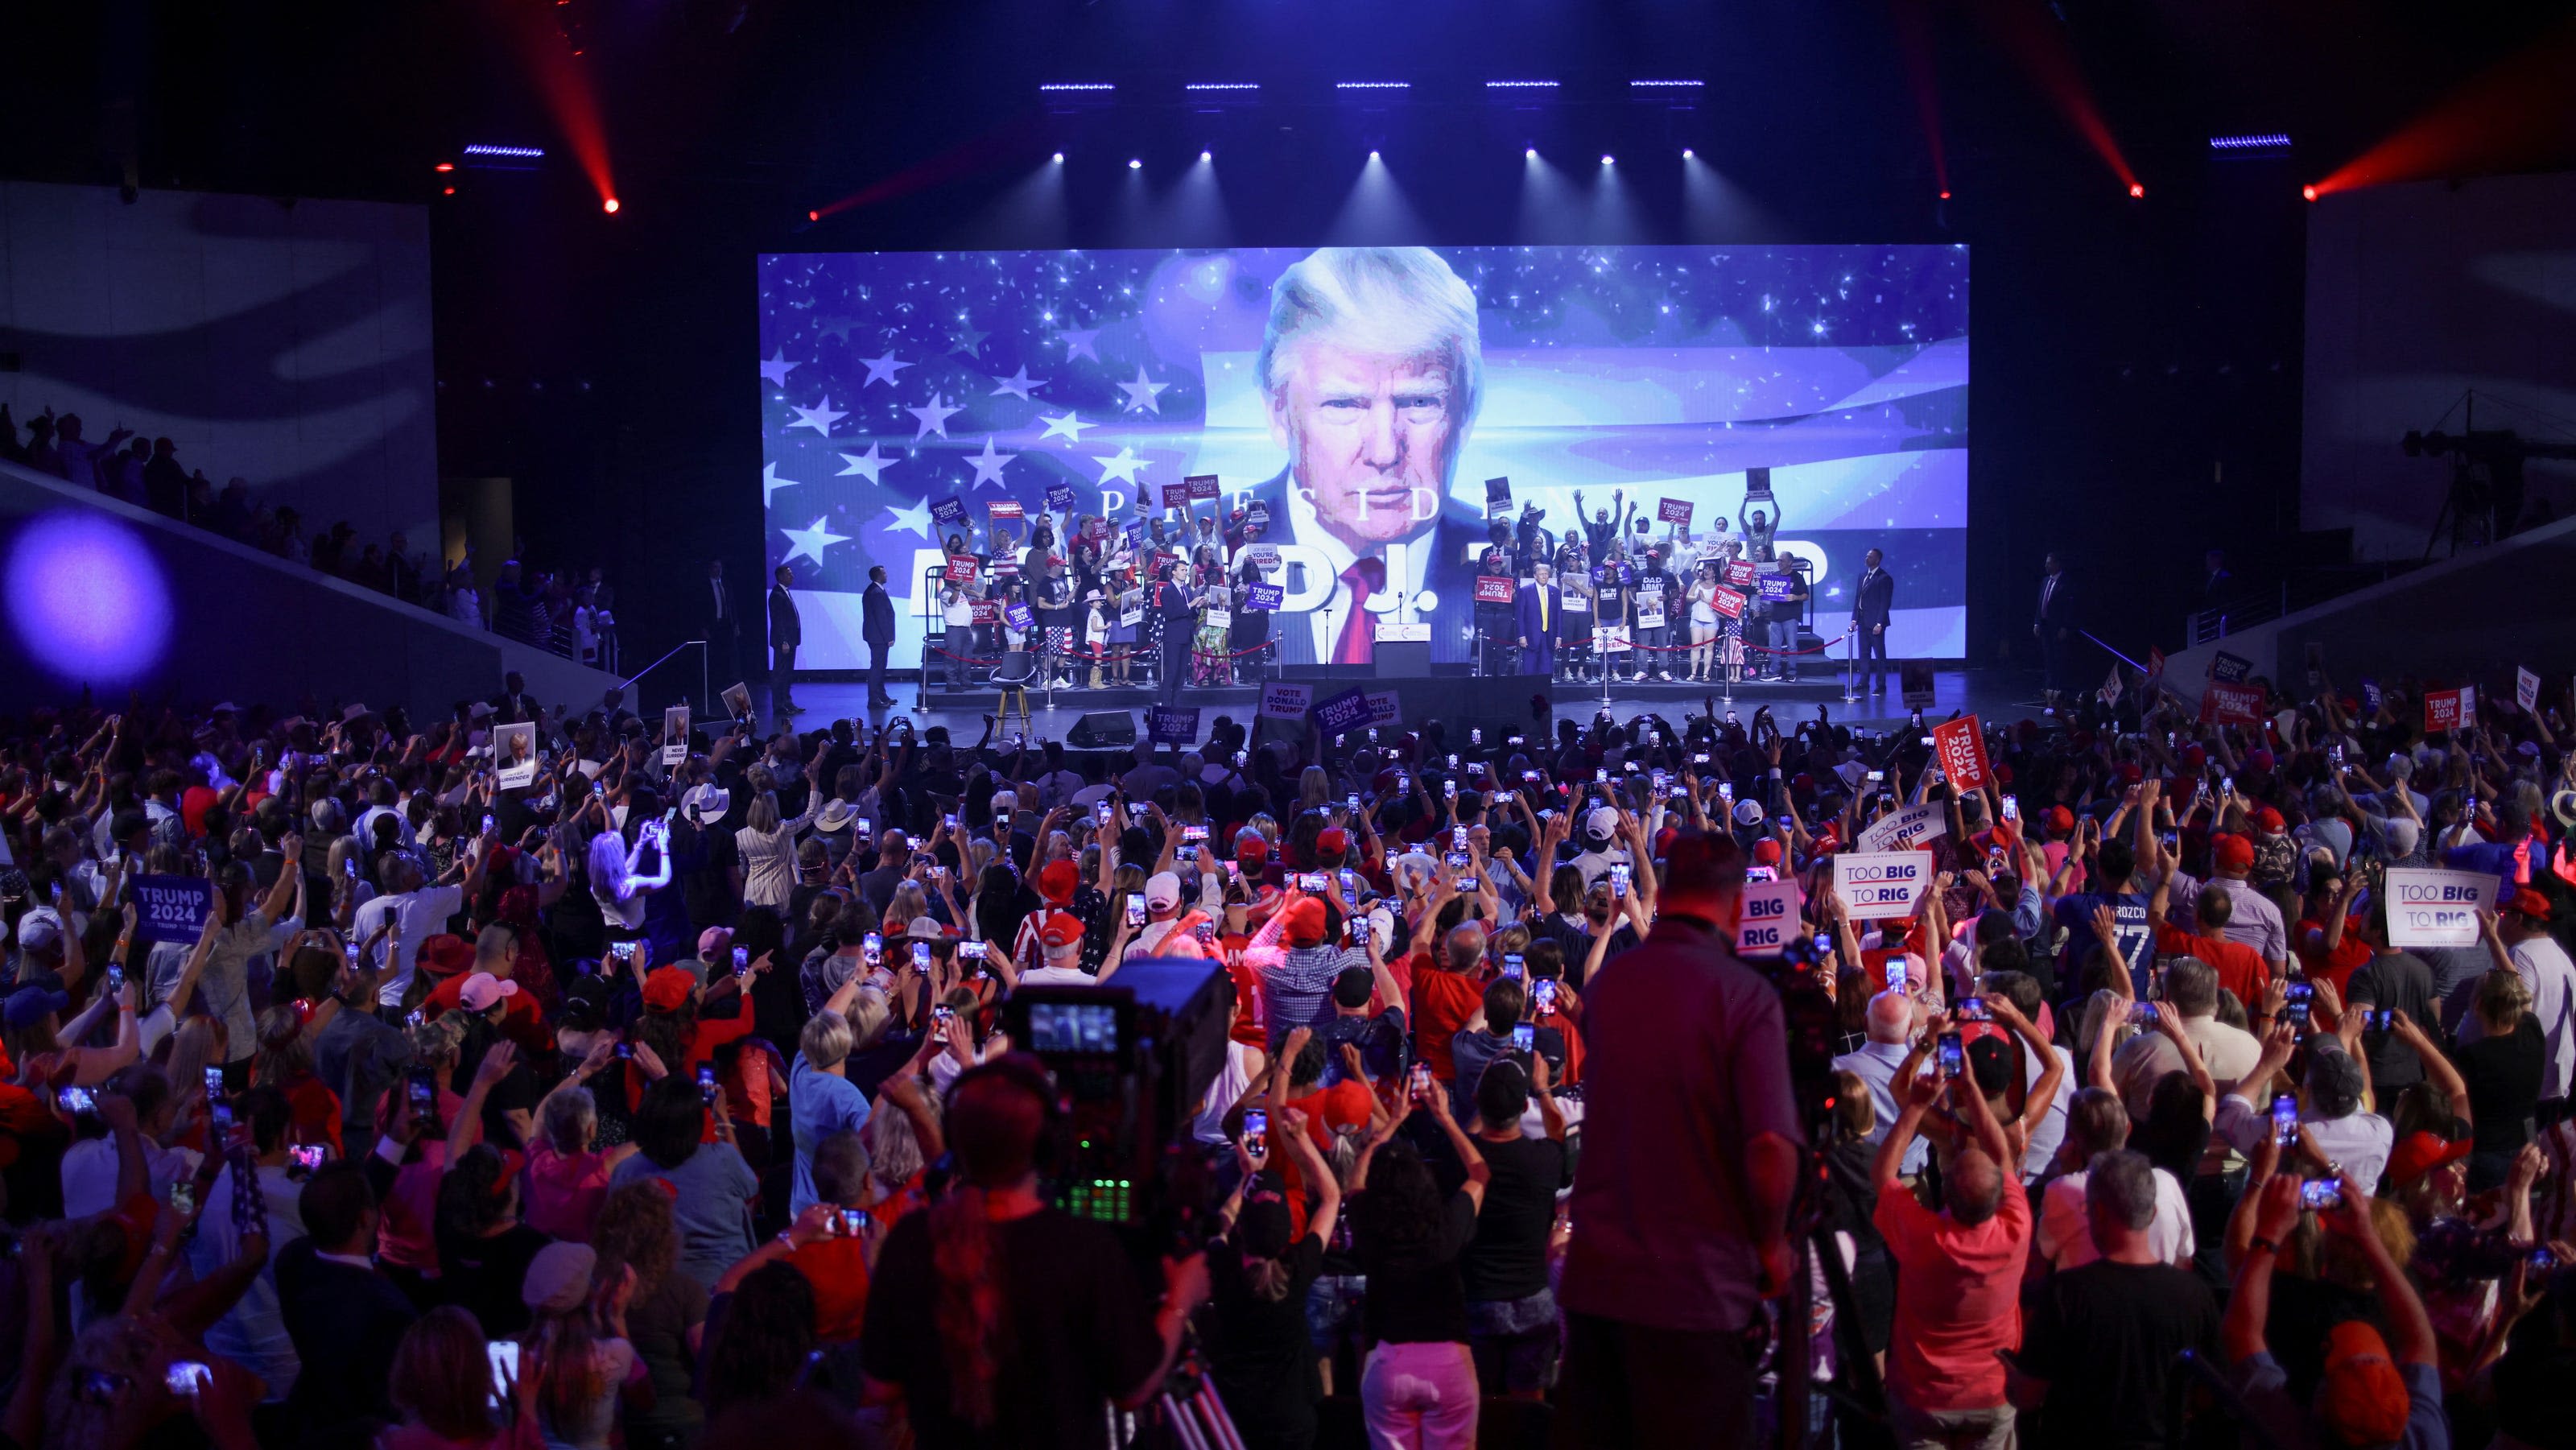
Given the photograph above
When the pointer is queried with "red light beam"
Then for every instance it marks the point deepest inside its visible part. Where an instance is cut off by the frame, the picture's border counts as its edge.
(2027, 32)
(2513, 116)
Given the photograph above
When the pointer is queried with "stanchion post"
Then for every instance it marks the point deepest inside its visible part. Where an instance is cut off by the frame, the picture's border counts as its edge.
(1851, 678)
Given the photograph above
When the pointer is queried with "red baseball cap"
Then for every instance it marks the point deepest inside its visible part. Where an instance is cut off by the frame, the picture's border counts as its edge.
(2233, 853)
(1766, 852)
(1305, 926)
(2362, 1399)
(1056, 881)
(2421, 1153)
(2530, 903)
(667, 989)
(1254, 851)
(2269, 822)
(1062, 929)
(1332, 841)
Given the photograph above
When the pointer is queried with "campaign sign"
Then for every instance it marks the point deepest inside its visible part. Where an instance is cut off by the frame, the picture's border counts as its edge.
(514, 751)
(987, 611)
(1347, 711)
(1172, 725)
(1257, 512)
(675, 735)
(2526, 689)
(1961, 746)
(1493, 589)
(1384, 709)
(2449, 709)
(1776, 587)
(1285, 700)
(2370, 698)
(1265, 557)
(1135, 536)
(1611, 639)
(1131, 607)
(1095, 528)
(1260, 597)
(2428, 908)
(1914, 679)
(2155, 666)
(1176, 495)
(1879, 884)
(1674, 511)
(2231, 704)
(1769, 918)
(1006, 510)
(1740, 573)
(172, 908)
(1201, 485)
(1018, 617)
(1059, 497)
(1728, 603)
(1908, 829)
(950, 510)
(1498, 496)
(961, 568)
(2229, 669)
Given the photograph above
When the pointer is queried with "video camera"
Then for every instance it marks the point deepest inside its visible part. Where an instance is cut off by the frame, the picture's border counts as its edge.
(1131, 1062)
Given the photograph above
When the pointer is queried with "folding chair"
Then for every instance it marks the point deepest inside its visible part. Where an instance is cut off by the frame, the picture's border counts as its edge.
(1011, 677)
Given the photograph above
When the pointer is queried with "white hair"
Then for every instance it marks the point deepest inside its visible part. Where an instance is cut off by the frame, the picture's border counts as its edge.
(1401, 301)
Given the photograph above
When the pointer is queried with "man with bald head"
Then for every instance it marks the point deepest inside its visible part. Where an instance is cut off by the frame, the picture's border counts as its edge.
(1962, 1272)
(1892, 1017)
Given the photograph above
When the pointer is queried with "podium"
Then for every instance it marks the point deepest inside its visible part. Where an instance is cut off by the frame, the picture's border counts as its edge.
(1401, 651)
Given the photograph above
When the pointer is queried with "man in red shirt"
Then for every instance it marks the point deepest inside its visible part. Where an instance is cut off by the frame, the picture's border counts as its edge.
(2241, 969)
(1962, 1271)
(2327, 939)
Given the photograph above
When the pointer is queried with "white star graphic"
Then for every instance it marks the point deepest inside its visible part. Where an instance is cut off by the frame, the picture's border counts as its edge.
(812, 541)
(870, 463)
(1123, 467)
(1078, 343)
(988, 465)
(1017, 384)
(776, 369)
(1140, 393)
(915, 518)
(1068, 426)
(819, 419)
(933, 416)
(771, 483)
(883, 369)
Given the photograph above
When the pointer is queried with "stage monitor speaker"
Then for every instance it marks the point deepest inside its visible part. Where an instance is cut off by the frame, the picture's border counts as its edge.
(1102, 730)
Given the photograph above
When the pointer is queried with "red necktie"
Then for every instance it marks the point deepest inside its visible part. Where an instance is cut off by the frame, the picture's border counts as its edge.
(1357, 637)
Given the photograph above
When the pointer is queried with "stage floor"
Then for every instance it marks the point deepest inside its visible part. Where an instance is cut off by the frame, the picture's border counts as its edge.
(1994, 694)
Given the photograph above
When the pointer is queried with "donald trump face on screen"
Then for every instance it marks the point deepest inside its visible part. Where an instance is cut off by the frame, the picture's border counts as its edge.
(1371, 373)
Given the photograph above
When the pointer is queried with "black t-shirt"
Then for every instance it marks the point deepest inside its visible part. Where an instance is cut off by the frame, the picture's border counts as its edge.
(2105, 1337)
(1418, 1298)
(483, 1276)
(1080, 1332)
(2503, 1077)
(2406, 984)
(1258, 1346)
(1508, 1257)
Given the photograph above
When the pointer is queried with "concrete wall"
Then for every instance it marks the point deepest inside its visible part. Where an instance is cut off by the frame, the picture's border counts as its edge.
(286, 343)
(2469, 618)
(101, 595)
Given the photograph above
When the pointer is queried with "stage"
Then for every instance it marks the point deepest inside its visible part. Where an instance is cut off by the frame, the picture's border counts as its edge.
(1460, 701)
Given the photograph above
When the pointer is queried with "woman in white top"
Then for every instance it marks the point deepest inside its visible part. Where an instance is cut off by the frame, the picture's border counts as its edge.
(614, 883)
(768, 844)
(1703, 620)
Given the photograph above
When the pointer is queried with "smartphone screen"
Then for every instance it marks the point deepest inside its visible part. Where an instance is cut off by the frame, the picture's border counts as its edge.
(1543, 991)
(2285, 1120)
(424, 1093)
(1135, 909)
(1511, 964)
(742, 961)
(707, 1081)
(921, 956)
(1953, 1056)
(503, 1355)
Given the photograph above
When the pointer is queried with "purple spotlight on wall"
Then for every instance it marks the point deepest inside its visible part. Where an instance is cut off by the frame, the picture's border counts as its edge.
(87, 598)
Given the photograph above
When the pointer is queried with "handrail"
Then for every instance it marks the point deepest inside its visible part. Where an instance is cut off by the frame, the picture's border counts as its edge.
(706, 701)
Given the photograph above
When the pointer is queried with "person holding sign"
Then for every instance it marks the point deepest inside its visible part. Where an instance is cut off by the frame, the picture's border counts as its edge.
(1215, 634)
(1702, 603)
(1251, 626)
(1657, 595)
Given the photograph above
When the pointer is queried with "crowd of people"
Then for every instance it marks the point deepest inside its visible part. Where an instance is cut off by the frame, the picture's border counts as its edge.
(667, 1098)
(567, 612)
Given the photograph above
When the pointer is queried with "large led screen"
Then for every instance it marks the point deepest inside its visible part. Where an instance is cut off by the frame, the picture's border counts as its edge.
(1362, 399)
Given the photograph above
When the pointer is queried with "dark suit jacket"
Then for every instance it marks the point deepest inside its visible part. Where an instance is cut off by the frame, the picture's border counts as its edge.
(509, 709)
(1455, 541)
(731, 623)
(2060, 610)
(345, 1322)
(876, 615)
(786, 628)
(1525, 625)
(1875, 598)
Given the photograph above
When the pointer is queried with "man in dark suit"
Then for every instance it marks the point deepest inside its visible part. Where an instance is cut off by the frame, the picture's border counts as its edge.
(876, 629)
(2054, 627)
(1370, 372)
(1872, 602)
(1169, 599)
(786, 631)
(1538, 619)
(344, 1316)
(722, 624)
(514, 705)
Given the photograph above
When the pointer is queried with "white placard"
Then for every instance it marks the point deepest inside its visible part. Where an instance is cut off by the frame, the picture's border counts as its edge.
(2430, 908)
(1906, 829)
(514, 752)
(675, 735)
(1384, 709)
(1649, 617)
(2526, 689)
(1217, 619)
(1769, 918)
(1881, 884)
(1611, 639)
(1284, 700)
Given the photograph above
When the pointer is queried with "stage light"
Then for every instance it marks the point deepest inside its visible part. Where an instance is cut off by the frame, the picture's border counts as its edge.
(1686, 153)
(444, 166)
(609, 206)
(1222, 86)
(1605, 159)
(1372, 85)
(451, 191)
(1134, 164)
(1945, 194)
(1207, 156)
(2263, 141)
(1059, 158)
(2307, 193)
(2137, 191)
(1076, 86)
(523, 153)
(1372, 156)
(1666, 85)
(1520, 85)
(813, 216)
(1530, 152)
